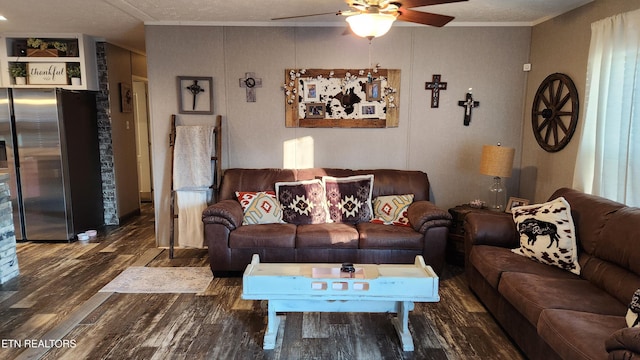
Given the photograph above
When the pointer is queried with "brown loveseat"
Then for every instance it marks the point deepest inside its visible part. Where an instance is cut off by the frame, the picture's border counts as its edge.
(232, 244)
(551, 313)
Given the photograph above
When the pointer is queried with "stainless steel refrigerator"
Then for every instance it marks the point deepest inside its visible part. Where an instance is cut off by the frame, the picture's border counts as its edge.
(49, 147)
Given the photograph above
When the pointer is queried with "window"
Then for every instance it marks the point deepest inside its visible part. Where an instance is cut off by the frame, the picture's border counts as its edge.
(608, 161)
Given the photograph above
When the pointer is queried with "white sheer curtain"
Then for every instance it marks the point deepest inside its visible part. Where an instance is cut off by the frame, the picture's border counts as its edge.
(608, 162)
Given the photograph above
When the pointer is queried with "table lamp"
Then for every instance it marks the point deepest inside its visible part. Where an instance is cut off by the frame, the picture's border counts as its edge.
(497, 161)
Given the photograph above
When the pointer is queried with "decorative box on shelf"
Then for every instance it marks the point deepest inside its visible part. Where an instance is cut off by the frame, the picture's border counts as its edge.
(44, 53)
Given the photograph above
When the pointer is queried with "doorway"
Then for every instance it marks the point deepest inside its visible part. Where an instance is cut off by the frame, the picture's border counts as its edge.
(143, 143)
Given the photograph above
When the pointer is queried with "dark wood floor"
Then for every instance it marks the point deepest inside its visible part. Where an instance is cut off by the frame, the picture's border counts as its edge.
(56, 297)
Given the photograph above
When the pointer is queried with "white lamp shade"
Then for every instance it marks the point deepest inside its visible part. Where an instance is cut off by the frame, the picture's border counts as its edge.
(497, 160)
(370, 25)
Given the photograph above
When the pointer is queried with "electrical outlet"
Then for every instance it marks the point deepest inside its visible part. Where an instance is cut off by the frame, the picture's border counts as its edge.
(526, 67)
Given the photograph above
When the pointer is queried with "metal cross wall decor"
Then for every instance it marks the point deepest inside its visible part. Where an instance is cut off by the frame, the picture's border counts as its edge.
(250, 83)
(435, 86)
(468, 104)
(195, 89)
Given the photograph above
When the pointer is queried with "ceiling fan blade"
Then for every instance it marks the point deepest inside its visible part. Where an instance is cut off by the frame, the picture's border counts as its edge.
(301, 16)
(424, 18)
(417, 3)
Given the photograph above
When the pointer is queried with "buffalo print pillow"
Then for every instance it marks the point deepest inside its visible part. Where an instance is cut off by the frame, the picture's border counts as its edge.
(633, 313)
(547, 234)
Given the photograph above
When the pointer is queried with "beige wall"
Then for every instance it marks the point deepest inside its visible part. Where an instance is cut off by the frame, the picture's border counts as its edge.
(489, 60)
(123, 134)
(559, 45)
(138, 65)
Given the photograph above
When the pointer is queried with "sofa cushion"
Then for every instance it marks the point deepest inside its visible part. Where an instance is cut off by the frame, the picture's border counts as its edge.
(252, 180)
(531, 293)
(379, 236)
(547, 234)
(616, 280)
(589, 214)
(303, 202)
(577, 335)
(259, 207)
(327, 236)
(388, 181)
(492, 261)
(349, 198)
(620, 242)
(392, 209)
(263, 236)
(624, 343)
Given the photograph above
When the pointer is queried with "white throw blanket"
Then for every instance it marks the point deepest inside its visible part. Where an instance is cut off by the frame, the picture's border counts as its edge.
(192, 177)
(192, 157)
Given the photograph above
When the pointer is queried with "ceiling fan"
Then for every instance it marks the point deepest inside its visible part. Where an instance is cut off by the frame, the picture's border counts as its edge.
(373, 18)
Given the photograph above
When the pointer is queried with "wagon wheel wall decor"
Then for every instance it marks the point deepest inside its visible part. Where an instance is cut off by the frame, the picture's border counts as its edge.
(554, 114)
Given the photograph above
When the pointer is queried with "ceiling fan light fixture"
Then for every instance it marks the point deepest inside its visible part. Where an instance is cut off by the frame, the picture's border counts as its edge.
(371, 25)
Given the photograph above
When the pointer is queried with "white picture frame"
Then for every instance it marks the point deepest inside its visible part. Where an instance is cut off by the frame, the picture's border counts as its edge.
(369, 111)
(311, 92)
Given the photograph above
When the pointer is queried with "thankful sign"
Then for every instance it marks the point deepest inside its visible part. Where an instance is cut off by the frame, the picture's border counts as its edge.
(47, 73)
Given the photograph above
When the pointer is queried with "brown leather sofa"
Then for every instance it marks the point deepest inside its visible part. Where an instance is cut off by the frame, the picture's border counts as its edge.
(231, 244)
(551, 313)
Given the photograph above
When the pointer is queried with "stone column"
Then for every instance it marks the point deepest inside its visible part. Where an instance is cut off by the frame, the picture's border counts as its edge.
(8, 257)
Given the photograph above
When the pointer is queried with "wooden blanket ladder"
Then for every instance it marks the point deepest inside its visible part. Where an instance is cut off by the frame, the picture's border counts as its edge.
(217, 174)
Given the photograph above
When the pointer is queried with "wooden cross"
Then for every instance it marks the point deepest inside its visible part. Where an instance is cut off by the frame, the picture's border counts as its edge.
(435, 86)
(250, 83)
(468, 104)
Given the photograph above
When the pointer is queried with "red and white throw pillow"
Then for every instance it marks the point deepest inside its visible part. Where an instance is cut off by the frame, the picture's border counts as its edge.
(259, 207)
(392, 209)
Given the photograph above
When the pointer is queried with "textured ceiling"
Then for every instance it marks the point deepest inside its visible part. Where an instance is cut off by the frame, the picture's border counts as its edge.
(122, 21)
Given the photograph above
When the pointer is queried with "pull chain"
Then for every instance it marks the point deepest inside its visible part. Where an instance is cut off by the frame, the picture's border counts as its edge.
(369, 76)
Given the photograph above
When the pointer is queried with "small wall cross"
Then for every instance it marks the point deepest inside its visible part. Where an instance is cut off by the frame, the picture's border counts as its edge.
(468, 104)
(250, 83)
(435, 86)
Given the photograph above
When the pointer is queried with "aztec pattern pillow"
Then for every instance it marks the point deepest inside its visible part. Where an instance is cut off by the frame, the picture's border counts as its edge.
(349, 198)
(303, 202)
(392, 209)
(633, 314)
(547, 234)
(259, 207)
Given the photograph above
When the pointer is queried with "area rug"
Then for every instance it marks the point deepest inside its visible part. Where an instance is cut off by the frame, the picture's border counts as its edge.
(140, 279)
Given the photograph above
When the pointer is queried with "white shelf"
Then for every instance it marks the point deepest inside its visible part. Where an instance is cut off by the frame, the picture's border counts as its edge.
(68, 87)
(86, 59)
(43, 59)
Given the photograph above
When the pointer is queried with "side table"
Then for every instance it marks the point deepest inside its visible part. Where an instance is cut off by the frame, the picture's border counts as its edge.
(455, 242)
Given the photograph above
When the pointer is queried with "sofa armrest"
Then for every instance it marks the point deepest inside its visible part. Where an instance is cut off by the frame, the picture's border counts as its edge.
(424, 215)
(226, 212)
(624, 344)
(490, 229)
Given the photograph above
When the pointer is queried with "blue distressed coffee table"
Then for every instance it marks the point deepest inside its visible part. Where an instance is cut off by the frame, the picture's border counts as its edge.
(304, 287)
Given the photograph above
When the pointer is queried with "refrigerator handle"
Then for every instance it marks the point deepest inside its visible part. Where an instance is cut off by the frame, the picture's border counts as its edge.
(16, 161)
